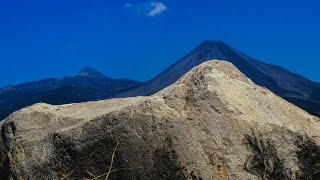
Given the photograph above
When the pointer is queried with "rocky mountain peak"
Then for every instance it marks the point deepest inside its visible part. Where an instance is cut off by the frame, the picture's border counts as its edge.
(213, 50)
(212, 44)
(213, 70)
(90, 72)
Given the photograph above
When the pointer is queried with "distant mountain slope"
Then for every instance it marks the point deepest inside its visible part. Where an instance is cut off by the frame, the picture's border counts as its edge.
(293, 87)
(87, 85)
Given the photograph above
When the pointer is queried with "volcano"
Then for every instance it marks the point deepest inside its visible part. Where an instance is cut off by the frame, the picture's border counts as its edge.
(297, 89)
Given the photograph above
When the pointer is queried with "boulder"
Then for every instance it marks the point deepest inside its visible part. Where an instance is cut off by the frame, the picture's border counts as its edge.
(213, 123)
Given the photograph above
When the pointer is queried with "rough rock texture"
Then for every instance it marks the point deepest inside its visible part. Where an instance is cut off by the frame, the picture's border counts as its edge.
(213, 123)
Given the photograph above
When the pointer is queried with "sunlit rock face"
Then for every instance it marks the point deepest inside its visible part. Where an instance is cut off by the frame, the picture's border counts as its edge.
(213, 123)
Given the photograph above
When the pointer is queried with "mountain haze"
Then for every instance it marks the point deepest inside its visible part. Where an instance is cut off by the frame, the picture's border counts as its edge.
(293, 87)
(87, 85)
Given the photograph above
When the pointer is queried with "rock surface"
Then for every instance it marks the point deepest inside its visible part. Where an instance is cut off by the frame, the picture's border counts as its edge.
(213, 123)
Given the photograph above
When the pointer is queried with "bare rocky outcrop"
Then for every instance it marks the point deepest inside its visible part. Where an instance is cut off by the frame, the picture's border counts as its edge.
(213, 123)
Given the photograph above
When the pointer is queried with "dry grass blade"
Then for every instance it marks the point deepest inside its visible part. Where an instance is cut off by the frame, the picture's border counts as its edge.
(111, 164)
(63, 176)
(112, 159)
(91, 174)
(66, 176)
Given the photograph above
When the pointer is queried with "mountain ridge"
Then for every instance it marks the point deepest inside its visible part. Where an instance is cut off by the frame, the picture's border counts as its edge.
(278, 79)
(89, 71)
(87, 85)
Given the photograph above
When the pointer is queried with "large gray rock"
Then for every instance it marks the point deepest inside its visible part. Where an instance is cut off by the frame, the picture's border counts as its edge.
(213, 123)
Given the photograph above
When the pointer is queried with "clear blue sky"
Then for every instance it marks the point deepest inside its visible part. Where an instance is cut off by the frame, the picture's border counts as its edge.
(139, 39)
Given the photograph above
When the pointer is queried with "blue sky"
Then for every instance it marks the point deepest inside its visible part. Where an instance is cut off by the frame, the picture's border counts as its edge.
(139, 39)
